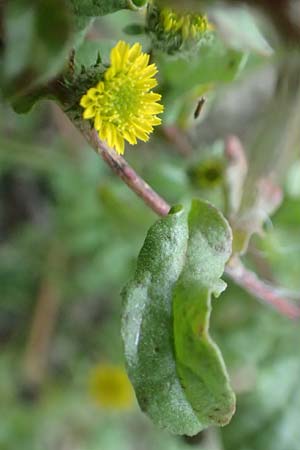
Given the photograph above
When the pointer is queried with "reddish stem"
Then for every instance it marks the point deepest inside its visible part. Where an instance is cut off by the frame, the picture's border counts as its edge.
(262, 290)
(124, 171)
(238, 273)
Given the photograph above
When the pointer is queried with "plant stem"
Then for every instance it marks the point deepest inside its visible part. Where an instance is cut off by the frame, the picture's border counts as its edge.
(45, 315)
(37, 350)
(262, 290)
(238, 273)
(124, 171)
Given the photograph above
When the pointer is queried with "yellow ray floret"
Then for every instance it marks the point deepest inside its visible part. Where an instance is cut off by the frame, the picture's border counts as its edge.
(122, 105)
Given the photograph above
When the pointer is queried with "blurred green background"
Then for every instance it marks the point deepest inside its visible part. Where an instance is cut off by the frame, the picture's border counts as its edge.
(70, 232)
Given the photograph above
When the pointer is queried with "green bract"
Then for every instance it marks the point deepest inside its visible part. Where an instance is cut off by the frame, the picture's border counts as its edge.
(176, 369)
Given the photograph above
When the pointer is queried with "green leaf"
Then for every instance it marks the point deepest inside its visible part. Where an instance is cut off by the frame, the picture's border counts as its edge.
(238, 28)
(212, 63)
(95, 8)
(178, 372)
(134, 29)
(138, 3)
(23, 103)
(199, 361)
(37, 43)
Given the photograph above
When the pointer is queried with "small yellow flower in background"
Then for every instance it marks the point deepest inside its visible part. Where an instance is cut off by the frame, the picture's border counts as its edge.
(176, 32)
(110, 387)
(121, 105)
(188, 25)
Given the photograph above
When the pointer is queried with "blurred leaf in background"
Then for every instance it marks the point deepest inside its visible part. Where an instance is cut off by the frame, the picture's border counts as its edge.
(70, 232)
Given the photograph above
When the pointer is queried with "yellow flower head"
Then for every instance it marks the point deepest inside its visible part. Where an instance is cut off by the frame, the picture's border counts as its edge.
(121, 105)
(175, 32)
(110, 387)
(190, 26)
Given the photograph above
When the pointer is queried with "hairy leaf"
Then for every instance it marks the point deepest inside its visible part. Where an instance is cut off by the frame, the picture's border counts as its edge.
(97, 7)
(178, 372)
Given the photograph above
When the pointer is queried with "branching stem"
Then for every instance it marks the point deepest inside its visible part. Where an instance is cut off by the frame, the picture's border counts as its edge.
(237, 272)
(263, 291)
(124, 171)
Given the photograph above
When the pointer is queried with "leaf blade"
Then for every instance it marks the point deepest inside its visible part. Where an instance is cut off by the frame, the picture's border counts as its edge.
(200, 365)
(150, 331)
(147, 326)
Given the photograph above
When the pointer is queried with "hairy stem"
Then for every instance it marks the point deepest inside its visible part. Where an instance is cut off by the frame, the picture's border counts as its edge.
(262, 290)
(238, 273)
(124, 171)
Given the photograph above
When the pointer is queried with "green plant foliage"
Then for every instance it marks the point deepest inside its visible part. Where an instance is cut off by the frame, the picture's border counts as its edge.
(177, 371)
(199, 363)
(212, 64)
(70, 231)
(42, 29)
(101, 7)
(263, 349)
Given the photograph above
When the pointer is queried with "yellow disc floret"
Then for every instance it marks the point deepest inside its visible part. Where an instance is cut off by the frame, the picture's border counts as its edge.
(121, 105)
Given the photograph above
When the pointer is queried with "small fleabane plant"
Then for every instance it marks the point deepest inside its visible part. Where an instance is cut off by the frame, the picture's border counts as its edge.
(173, 32)
(122, 105)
